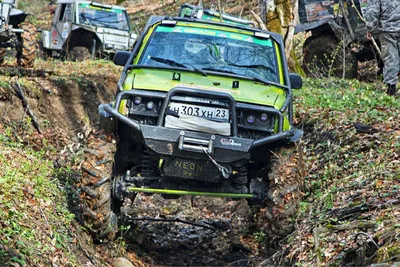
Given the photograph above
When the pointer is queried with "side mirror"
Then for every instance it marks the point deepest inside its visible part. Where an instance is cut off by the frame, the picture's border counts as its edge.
(121, 58)
(295, 81)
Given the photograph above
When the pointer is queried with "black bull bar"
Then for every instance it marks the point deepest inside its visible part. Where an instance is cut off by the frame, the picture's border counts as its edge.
(161, 133)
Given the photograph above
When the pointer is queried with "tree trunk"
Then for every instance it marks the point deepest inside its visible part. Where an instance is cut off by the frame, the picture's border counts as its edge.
(281, 17)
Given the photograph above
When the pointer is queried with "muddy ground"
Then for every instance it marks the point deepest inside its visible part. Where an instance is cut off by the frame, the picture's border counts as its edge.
(174, 232)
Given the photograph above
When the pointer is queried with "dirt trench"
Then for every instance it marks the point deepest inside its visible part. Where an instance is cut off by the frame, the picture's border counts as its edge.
(68, 104)
(206, 231)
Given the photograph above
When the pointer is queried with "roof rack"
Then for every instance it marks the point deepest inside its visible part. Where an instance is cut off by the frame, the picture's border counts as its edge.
(192, 11)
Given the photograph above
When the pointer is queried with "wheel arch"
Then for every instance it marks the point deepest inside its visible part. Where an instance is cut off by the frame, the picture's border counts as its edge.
(82, 37)
(17, 17)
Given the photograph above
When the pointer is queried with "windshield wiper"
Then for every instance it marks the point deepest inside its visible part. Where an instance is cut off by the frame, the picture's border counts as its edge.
(253, 66)
(104, 17)
(255, 78)
(174, 63)
(259, 79)
(86, 19)
(221, 70)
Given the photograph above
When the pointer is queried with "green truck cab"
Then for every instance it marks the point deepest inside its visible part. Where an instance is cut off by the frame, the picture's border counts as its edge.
(203, 108)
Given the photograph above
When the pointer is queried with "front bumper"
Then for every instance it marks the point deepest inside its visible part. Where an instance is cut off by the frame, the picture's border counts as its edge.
(113, 48)
(168, 142)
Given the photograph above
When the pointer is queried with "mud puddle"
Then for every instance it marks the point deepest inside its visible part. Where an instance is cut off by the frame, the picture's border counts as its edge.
(206, 231)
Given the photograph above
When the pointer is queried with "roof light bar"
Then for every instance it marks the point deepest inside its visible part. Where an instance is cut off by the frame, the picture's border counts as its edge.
(262, 35)
(168, 22)
(100, 5)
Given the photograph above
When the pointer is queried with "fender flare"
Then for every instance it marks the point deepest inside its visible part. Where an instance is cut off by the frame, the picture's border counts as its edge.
(77, 38)
(17, 16)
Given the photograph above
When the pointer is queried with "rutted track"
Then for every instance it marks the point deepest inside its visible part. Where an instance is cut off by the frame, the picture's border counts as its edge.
(65, 107)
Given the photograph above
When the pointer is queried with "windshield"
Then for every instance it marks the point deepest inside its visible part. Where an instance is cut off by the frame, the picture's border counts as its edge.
(212, 50)
(312, 10)
(103, 17)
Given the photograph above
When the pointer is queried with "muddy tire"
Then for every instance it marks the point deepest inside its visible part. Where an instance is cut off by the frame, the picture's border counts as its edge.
(30, 29)
(323, 56)
(43, 53)
(95, 185)
(286, 179)
(3, 52)
(26, 53)
(79, 53)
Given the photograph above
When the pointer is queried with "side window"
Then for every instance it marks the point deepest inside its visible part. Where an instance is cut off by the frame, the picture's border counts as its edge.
(65, 12)
(62, 12)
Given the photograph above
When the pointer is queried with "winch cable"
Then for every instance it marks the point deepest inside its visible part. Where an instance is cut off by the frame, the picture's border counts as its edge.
(224, 171)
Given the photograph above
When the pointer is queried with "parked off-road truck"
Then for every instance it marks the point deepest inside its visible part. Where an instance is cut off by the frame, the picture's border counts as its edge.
(333, 25)
(202, 108)
(86, 29)
(16, 33)
(192, 11)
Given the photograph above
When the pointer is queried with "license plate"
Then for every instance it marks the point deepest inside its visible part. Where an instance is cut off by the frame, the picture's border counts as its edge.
(200, 111)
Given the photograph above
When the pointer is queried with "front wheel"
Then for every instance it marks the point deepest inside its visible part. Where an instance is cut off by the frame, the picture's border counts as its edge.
(96, 188)
(323, 56)
(285, 180)
(79, 53)
(26, 51)
(3, 52)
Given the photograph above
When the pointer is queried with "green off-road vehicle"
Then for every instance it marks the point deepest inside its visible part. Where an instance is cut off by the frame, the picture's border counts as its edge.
(202, 108)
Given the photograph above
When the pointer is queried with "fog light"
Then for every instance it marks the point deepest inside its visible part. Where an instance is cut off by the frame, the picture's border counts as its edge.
(251, 119)
(263, 117)
(150, 105)
(137, 100)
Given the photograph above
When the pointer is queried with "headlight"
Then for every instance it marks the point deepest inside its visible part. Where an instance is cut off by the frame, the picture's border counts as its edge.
(263, 117)
(251, 119)
(150, 105)
(133, 36)
(100, 30)
(137, 100)
(143, 106)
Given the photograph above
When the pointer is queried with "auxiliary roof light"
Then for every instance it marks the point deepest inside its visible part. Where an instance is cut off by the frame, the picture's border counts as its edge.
(262, 35)
(168, 22)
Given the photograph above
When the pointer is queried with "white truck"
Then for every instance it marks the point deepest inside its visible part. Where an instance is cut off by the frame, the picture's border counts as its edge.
(83, 29)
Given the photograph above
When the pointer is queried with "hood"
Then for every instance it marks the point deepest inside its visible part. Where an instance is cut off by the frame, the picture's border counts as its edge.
(247, 92)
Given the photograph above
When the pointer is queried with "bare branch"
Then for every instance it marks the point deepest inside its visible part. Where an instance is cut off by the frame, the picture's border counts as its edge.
(369, 237)
(172, 220)
(259, 20)
(353, 5)
(25, 104)
(220, 10)
(290, 32)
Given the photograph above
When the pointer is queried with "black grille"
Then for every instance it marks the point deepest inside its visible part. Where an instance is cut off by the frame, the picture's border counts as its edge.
(191, 169)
